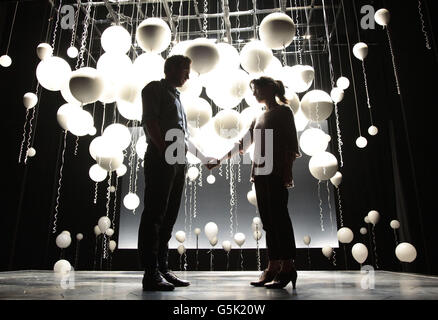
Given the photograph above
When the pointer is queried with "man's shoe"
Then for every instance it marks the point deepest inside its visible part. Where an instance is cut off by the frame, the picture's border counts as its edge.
(156, 282)
(173, 279)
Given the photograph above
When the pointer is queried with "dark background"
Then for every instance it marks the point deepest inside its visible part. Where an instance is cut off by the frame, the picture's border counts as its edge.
(389, 175)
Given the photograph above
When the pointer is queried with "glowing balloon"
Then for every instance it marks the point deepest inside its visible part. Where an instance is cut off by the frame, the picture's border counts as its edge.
(374, 216)
(382, 17)
(277, 30)
(226, 245)
(293, 100)
(44, 50)
(116, 39)
(343, 83)
(31, 152)
(227, 124)
(252, 198)
(395, 224)
(213, 241)
(191, 88)
(193, 173)
(317, 105)
(104, 223)
(92, 131)
(63, 240)
(239, 239)
(307, 240)
(336, 179)
(359, 252)
(345, 235)
(79, 236)
(153, 35)
(323, 165)
(361, 142)
(198, 111)
(298, 78)
(181, 249)
(97, 230)
(131, 201)
(313, 141)
(65, 112)
(256, 223)
(211, 230)
(118, 134)
(197, 231)
(97, 173)
(337, 94)
(62, 267)
(211, 179)
(148, 67)
(53, 73)
(366, 219)
(109, 232)
(360, 50)
(204, 55)
(405, 252)
(109, 157)
(257, 235)
(30, 100)
(72, 52)
(141, 146)
(228, 57)
(363, 231)
(112, 245)
(114, 67)
(248, 115)
(255, 57)
(301, 121)
(327, 251)
(5, 61)
(372, 130)
(180, 236)
(86, 85)
(79, 123)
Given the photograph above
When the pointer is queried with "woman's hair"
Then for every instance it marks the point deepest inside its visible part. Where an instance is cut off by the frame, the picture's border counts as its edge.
(176, 61)
(277, 85)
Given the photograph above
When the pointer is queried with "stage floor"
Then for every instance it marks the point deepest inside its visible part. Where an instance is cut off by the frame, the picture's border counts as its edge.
(218, 285)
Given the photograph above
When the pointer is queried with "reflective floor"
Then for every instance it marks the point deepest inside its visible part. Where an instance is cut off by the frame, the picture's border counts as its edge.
(218, 285)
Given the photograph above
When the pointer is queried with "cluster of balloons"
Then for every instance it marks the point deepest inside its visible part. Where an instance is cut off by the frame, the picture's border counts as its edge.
(104, 227)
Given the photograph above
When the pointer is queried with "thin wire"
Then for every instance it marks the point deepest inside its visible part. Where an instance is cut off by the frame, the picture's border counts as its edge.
(56, 24)
(12, 27)
(75, 26)
(59, 183)
(393, 61)
(321, 218)
(337, 37)
(340, 207)
(366, 91)
(423, 26)
(330, 207)
(24, 136)
(356, 20)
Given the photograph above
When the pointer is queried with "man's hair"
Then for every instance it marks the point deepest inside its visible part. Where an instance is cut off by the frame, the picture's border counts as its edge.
(175, 62)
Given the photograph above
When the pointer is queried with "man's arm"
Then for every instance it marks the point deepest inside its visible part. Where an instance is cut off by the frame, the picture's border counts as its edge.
(151, 107)
(154, 131)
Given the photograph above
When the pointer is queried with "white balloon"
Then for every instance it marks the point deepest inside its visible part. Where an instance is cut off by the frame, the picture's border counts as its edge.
(239, 239)
(114, 67)
(227, 124)
(345, 235)
(313, 141)
(226, 245)
(153, 35)
(213, 241)
(211, 179)
(382, 17)
(337, 94)
(307, 240)
(97, 173)
(131, 201)
(197, 231)
(277, 30)
(191, 88)
(112, 245)
(181, 249)
(343, 83)
(204, 55)
(104, 223)
(30, 100)
(301, 121)
(86, 85)
(62, 267)
(374, 216)
(323, 165)
(66, 94)
(67, 232)
(79, 236)
(44, 50)
(118, 134)
(63, 240)
(317, 105)
(31, 152)
(130, 110)
(395, 224)
(405, 252)
(257, 235)
(179, 48)
(248, 115)
(72, 52)
(359, 252)
(97, 230)
(360, 50)
(193, 173)
(293, 100)
(255, 57)
(53, 73)
(180, 236)
(79, 123)
(112, 189)
(148, 67)
(366, 219)
(297, 78)
(361, 142)
(256, 221)
(327, 251)
(116, 39)
(92, 131)
(198, 111)
(363, 231)
(336, 179)
(109, 232)
(65, 112)
(141, 146)
(228, 57)
(372, 130)
(252, 198)
(108, 157)
(211, 230)
(5, 61)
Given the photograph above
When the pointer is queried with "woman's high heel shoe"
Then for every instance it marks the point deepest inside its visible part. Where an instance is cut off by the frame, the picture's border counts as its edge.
(265, 277)
(282, 279)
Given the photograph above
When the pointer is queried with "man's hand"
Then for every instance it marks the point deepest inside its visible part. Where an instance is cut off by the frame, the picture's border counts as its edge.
(212, 163)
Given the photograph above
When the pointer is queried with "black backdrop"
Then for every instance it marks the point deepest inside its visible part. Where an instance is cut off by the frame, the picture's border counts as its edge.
(389, 175)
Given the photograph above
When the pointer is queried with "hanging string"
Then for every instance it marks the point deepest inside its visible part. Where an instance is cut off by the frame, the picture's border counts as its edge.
(337, 37)
(12, 28)
(205, 24)
(345, 256)
(80, 62)
(423, 26)
(178, 20)
(75, 24)
(258, 249)
(351, 67)
(393, 61)
(340, 207)
(241, 259)
(115, 205)
(367, 92)
(238, 25)
(24, 136)
(56, 24)
(194, 199)
(297, 22)
(211, 259)
(95, 193)
(232, 198)
(308, 258)
(55, 218)
(395, 237)
(34, 110)
(321, 218)
(334, 257)
(200, 175)
(228, 261)
(91, 37)
(330, 207)
(375, 247)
